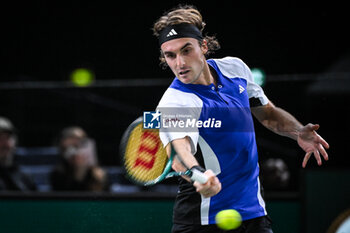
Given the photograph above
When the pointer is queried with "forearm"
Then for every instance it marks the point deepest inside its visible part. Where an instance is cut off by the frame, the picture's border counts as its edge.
(183, 149)
(278, 120)
(283, 123)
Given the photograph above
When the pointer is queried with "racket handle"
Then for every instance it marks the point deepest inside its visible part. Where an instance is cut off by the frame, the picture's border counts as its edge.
(199, 176)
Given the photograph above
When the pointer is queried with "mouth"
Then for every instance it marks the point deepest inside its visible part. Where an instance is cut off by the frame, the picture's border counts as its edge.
(184, 72)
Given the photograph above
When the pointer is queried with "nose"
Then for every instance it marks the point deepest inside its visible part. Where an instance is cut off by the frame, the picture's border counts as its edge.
(179, 61)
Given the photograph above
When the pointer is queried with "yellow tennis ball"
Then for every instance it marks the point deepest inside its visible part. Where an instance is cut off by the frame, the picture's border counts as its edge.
(82, 77)
(228, 219)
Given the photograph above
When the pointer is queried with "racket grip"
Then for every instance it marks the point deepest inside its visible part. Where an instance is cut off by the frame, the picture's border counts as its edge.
(199, 176)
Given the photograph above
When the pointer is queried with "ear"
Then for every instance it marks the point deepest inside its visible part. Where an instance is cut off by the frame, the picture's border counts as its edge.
(204, 47)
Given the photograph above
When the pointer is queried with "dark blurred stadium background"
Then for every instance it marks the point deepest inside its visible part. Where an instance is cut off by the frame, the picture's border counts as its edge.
(304, 52)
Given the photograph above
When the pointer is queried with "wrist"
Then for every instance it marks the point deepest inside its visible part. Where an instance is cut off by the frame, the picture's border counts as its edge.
(297, 132)
(198, 168)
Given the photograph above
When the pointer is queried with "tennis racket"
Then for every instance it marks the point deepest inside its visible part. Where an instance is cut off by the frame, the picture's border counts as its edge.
(145, 159)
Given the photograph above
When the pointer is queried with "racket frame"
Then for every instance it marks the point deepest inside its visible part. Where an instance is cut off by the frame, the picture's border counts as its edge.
(167, 173)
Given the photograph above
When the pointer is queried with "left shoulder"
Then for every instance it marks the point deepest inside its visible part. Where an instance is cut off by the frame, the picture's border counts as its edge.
(233, 67)
(231, 61)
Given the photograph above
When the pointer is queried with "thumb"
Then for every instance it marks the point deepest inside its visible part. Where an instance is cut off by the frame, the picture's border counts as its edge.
(312, 126)
(316, 127)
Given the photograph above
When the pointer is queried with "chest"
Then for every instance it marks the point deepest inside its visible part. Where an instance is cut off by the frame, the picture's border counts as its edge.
(228, 102)
(229, 93)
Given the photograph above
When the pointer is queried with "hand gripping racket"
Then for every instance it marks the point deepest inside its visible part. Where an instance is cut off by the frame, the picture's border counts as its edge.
(145, 159)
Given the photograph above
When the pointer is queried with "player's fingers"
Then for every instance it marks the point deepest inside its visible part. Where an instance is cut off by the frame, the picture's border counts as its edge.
(202, 187)
(209, 173)
(214, 189)
(306, 159)
(210, 188)
(323, 142)
(318, 157)
(314, 127)
(211, 176)
(217, 186)
(311, 127)
(322, 151)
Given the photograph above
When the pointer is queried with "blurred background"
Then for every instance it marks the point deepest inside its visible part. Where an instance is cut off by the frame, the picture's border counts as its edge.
(95, 65)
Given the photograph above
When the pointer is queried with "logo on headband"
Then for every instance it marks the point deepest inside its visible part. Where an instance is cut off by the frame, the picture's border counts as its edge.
(179, 31)
(171, 33)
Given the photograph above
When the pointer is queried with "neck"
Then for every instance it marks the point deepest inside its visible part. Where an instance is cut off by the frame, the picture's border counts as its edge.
(207, 76)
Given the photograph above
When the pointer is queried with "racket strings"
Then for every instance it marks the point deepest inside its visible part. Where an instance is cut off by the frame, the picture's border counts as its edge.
(145, 158)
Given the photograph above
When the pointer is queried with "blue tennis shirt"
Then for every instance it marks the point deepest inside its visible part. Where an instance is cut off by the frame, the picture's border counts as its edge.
(219, 123)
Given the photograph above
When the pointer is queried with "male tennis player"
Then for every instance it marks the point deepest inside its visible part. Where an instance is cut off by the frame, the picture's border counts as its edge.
(222, 89)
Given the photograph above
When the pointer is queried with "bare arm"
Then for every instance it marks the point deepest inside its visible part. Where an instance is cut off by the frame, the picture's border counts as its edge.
(278, 120)
(182, 147)
(283, 123)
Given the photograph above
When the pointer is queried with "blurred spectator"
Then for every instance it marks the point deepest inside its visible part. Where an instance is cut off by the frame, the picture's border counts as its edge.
(275, 174)
(11, 178)
(78, 169)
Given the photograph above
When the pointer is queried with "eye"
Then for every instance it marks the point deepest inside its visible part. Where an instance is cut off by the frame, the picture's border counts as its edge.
(169, 55)
(186, 51)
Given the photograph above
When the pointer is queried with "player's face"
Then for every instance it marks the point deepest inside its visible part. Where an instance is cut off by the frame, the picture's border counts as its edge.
(186, 59)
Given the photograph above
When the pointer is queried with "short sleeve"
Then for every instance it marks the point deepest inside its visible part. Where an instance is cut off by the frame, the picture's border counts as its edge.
(256, 94)
(176, 106)
(233, 67)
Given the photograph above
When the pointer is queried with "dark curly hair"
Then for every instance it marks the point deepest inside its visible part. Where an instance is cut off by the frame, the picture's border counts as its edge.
(184, 14)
